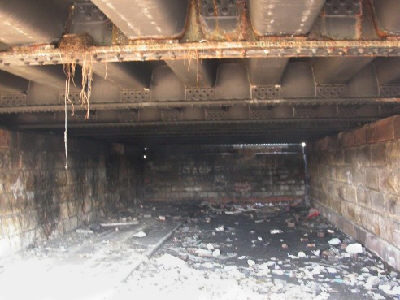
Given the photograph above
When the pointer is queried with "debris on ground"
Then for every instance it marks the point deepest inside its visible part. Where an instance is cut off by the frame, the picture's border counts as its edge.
(334, 241)
(354, 249)
(242, 259)
(312, 213)
(140, 234)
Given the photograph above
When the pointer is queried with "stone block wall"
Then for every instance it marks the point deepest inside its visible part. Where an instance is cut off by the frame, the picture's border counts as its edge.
(355, 182)
(39, 199)
(223, 174)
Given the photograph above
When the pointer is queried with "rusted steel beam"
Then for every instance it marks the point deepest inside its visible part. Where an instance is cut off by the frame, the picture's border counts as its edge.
(170, 50)
(216, 103)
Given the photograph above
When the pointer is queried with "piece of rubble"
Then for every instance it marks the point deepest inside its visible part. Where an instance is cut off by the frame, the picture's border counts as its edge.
(114, 224)
(316, 252)
(216, 253)
(203, 252)
(258, 221)
(301, 255)
(285, 246)
(161, 218)
(210, 247)
(260, 238)
(276, 231)
(321, 234)
(220, 228)
(372, 282)
(334, 241)
(251, 263)
(140, 234)
(331, 270)
(84, 231)
(290, 225)
(312, 213)
(310, 245)
(354, 249)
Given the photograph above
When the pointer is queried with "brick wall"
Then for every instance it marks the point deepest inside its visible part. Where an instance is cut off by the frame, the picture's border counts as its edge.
(222, 174)
(355, 181)
(39, 199)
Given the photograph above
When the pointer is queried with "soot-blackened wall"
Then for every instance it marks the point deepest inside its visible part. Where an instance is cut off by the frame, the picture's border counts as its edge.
(40, 199)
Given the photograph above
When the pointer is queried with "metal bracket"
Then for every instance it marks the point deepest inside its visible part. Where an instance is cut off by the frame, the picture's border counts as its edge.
(13, 100)
(330, 90)
(221, 13)
(199, 94)
(343, 8)
(88, 18)
(171, 115)
(134, 95)
(73, 96)
(263, 92)
(260, 113)
(389, 90)
(216, 114)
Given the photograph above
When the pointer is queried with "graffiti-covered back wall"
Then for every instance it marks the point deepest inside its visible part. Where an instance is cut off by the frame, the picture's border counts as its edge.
(250, 173)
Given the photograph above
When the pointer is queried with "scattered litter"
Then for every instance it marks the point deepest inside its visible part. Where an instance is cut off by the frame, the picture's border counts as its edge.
(203, 252)
(316, 252)
(331, 270)
(301, 255)
(334, 241)
(276, 231)
(260, 238)
(290, 225)
(354, 249)
(220, 228)
(216, 253)
(310, 245)
(372, 282)
(161, 218)
(140, 234)
(285, 246)
(84, 231)
(312, 213)
(250, 262)
(277, 272)
(258, 221)
(134, 222)
(210, 247)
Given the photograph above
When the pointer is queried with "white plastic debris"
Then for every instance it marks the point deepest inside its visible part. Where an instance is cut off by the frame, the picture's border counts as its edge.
(331, 270)
(301, 255)
(210, 247)
(220, 228)
(216, 253)
(161, 218)
(203, 252)
(354, 248)
(334, 241)
(372, 281)
(140, 234)
(260, 238)
(316, 252)
(276, 231)
(277, 272)
(84, 231)
(251, 262)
